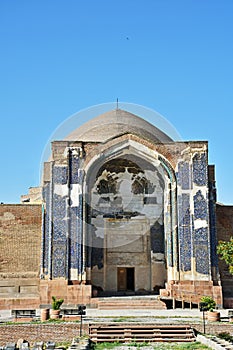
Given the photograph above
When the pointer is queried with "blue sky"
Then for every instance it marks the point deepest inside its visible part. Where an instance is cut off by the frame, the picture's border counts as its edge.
(61, 56)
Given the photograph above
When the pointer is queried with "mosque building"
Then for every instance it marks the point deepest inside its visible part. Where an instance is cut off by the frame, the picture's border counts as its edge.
(123, 209)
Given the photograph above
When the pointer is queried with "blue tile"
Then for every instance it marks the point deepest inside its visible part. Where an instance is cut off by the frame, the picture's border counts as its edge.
(200, 169)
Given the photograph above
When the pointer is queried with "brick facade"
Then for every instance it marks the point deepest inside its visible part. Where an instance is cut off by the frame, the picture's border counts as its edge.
(224, 232)
(43, 332)
(20, 237)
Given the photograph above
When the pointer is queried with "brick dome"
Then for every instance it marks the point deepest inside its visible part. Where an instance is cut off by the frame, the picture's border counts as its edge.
(115, 123)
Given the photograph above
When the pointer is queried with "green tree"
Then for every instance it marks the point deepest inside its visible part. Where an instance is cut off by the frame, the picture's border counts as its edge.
(225, 250)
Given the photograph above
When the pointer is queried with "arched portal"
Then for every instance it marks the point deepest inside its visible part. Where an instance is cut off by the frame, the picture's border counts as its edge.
(129, 221)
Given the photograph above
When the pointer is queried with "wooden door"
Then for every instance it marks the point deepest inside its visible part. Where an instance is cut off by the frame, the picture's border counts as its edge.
(121, 278)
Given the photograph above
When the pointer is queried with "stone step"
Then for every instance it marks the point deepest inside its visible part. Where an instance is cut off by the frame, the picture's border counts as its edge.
(140, 333)
(131, 304)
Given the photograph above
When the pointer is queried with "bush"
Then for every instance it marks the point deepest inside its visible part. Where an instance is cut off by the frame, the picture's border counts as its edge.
(209, 303)
(226, 336)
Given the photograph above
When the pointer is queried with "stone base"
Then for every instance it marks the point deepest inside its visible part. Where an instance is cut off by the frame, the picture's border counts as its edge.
(31, 294)
(23, 319)
(192, 291)
(20, 303)
(19, 293)
(72, 294)
(71, 318)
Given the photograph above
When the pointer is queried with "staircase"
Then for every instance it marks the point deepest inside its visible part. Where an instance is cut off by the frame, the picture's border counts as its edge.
(133, 302)
(113, 332)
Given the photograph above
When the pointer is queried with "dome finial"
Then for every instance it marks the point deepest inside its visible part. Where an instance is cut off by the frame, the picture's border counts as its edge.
(117, 104)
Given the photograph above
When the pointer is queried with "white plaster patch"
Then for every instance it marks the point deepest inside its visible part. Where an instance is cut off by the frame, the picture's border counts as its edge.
(7, 216)
(76, 151)
(200, 224)
(61, 190)
(75, 191)
(73, 274)
(204, 192)
(99, 232)
(99, 226)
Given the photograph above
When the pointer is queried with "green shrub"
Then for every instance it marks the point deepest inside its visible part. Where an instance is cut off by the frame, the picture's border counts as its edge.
(226, 336)
(210, 303)
(56, 303)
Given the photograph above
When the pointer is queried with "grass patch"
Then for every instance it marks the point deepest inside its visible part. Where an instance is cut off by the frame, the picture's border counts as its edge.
(121, 319)
(103, 346)
(64, 344)
(156, 346)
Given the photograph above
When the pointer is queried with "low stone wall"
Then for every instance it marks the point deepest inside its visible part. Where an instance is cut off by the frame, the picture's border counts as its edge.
(61, 332)
(213, 328)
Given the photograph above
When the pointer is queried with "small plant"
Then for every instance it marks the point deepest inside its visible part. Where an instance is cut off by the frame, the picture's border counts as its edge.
(64, 344)
(226, 336)
(209, 303)
(56, 303)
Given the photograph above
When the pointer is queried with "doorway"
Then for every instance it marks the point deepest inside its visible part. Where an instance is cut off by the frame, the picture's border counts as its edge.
(125, 279)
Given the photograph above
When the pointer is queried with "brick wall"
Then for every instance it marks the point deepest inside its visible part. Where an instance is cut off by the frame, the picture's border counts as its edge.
(43, 332)
(20, 245)
(224, 232)
(67, 331)
(20, 237)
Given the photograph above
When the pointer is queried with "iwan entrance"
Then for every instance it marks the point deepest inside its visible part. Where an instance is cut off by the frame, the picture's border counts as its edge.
(125, 279)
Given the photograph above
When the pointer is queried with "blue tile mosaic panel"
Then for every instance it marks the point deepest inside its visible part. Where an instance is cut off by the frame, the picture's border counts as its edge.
(59, 261)
(74, 170)
(200, 206)
(74, 238)
(59, 243)
(60, 174)
(200, 169)
(183, 175)
(73, 211)
(202, 258)
(59, 218)
(184, 231)
(201, 235)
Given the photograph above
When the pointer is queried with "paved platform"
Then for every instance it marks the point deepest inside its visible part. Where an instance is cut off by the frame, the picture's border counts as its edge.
(140, 314)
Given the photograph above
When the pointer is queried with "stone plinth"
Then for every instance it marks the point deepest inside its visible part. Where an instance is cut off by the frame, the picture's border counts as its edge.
(192, 291)
(72, 294)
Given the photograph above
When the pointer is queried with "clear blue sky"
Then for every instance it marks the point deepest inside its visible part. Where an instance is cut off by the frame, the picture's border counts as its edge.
(62, 56)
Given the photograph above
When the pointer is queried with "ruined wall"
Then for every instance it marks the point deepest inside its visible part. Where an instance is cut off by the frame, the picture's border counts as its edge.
(20, 246)
(224, 232)
(20, 238)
